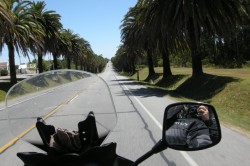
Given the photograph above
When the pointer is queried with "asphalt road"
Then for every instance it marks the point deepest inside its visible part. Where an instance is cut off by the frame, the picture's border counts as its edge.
(140, 115)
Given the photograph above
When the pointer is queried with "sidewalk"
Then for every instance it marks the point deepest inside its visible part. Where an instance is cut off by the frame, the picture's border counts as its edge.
(19, 77)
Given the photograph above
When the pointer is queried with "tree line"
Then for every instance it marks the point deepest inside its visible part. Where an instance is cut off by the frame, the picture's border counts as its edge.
(29, 28)
(169, 32)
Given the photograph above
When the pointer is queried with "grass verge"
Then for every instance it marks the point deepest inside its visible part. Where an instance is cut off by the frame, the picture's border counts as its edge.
(227, 89)
(4, 87)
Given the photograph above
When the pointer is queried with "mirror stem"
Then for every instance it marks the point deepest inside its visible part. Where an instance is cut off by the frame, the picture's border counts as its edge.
(159, 146)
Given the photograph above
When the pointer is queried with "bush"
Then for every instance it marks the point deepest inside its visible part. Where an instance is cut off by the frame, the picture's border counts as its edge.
(3, 72)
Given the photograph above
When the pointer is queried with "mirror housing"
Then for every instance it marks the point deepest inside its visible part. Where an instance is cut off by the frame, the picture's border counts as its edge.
(190, 126)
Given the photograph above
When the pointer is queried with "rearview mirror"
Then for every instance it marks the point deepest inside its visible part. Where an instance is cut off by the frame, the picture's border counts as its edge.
(190, 126)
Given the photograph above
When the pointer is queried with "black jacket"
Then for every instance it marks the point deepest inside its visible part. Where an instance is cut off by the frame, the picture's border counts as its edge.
(189, 132)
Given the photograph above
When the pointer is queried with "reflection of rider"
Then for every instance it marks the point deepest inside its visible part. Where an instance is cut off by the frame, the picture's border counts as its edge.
(186, 130)
(210, 122)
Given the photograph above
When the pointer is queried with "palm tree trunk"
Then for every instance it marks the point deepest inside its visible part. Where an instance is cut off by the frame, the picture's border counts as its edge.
(84, 66)
(151, 71)
(55, 61)
(166, 65)
(13, 79)
(194, 39)
(81, 64)
(165, 58)
(40, 63)
(196, 63)
(68, 62)
(76, 65)
(132, 64)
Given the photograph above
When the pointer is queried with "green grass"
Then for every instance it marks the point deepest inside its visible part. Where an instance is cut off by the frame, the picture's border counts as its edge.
(227, 89)
(4, 87)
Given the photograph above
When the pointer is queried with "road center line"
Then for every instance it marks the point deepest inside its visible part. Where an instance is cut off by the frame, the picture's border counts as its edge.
(184, 154)
(73, 98)
(14, 140)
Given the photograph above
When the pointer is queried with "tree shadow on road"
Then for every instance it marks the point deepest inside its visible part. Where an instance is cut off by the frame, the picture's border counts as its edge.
(146, 90)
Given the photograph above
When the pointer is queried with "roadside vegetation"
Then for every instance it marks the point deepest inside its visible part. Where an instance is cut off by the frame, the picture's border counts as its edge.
(191, 50)
(4, 87)
(29, 29)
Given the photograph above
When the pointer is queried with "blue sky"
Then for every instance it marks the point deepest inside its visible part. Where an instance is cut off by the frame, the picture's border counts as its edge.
(97, 21)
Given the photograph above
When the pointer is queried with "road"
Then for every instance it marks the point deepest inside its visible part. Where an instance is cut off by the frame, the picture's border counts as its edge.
(140, 113)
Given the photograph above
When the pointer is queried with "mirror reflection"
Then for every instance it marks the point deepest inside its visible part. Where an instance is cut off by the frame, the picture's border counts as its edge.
(191, 126)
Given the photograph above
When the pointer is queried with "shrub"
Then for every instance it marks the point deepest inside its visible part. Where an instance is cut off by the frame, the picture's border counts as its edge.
(3, 72)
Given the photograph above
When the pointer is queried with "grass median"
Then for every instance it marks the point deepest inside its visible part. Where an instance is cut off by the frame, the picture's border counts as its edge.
(227, 89)
(4, 87)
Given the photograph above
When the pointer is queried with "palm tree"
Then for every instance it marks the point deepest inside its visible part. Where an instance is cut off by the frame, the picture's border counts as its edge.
(136, 34)
(77, 49)
(17, 37)
(153, 13)
(6, 20)
(191, 18)
(65, 45)
(124, 59)
(74, 48)
(50, 25)
(83, 50)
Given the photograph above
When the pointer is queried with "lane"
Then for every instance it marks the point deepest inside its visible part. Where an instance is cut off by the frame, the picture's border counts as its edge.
(159, 124)
(23, 114)
(136, 132)
(65, 106)
(5, 135)
(233, 149)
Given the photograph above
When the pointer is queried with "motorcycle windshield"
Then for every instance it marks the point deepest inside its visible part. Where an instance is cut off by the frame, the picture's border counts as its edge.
(62, 98)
